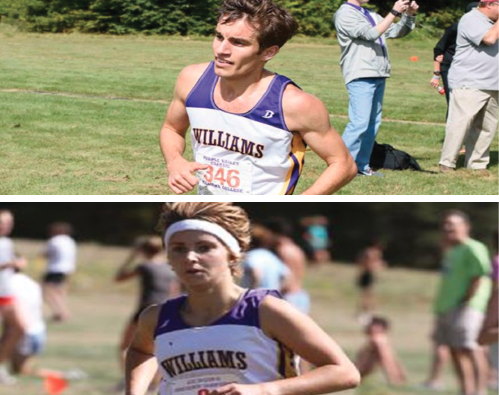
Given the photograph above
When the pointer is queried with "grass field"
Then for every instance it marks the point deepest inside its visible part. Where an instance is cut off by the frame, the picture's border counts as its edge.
(101, 308)
(81, 113)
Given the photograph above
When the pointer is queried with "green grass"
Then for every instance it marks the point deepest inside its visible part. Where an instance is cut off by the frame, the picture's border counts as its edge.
(83, 140)
(101, 308)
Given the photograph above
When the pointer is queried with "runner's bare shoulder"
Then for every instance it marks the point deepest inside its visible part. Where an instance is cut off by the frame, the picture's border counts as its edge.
(302, 110)
(188, 78)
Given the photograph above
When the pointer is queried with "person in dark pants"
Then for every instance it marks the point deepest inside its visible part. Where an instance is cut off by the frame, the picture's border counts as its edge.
(443, 53)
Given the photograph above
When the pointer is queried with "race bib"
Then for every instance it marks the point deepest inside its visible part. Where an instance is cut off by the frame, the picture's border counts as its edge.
(224, 177)
(202, 385)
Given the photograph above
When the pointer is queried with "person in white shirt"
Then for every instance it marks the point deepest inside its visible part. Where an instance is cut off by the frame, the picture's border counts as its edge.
(28, 293)
(9, 309)
(262, 268)
(61, 263)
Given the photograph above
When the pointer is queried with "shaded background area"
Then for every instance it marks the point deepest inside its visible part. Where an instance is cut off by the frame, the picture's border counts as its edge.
(410, 231)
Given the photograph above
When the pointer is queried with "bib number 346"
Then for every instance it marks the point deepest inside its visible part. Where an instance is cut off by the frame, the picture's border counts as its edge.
(229, 177)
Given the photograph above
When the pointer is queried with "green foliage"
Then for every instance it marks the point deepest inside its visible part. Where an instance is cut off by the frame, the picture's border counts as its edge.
(113, 16)
(410, 231)
(315, 16)
(188, 17)
(443, 19)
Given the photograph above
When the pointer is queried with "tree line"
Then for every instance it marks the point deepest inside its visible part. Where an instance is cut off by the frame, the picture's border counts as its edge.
(410, 231)
(189, 17)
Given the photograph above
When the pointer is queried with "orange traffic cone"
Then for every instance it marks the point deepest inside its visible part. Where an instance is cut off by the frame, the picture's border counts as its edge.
(54, 384)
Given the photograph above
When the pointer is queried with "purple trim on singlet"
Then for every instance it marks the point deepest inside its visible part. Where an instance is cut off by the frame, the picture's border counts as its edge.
(268, 110)
(245, 312)
(371, 20)
(295, 175)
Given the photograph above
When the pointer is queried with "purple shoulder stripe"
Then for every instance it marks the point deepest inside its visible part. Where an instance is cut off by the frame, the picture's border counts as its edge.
(245, 312)
(169, 316)
(268, 110)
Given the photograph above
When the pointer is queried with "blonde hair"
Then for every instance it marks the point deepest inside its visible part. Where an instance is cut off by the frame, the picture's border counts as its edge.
(227, 215)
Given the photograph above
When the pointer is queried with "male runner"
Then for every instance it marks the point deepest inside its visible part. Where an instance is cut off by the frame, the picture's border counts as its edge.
(249, 126)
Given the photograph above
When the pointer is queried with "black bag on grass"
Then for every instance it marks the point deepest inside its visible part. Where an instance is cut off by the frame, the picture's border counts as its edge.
(384, 156)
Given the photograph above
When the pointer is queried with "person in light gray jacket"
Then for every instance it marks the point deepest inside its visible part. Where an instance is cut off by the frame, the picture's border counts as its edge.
(365, 65)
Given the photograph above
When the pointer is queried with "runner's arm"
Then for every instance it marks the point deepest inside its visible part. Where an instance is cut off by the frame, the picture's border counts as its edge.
(334, 371)
(172, 135)
(141, 365)
(307, 115)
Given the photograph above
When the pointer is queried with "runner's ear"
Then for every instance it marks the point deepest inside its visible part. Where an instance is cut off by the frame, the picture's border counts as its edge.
(269, 53)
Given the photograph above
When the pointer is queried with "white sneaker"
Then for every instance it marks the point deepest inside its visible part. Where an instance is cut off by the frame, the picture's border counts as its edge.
(370, 173)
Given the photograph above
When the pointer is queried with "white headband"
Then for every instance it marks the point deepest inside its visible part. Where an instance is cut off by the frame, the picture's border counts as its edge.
(203, 226)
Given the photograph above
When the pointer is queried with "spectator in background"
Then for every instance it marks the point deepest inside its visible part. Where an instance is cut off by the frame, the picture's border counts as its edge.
(61, 263)
(474, 83)
(29, 295)
(461, 302)
(293, 256)
(440, 352)
(158, 283)
(295, 259)
(10, 314)
(317, 236)
(365, 65)
(370, 261)
(378, 352)
(443, 53)
(262, 268)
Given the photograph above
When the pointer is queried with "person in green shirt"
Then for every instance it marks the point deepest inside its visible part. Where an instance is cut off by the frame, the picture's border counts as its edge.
(462, 300)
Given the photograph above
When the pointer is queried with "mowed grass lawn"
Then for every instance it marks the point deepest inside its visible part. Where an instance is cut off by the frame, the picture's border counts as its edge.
(101, 308)
(97, 133)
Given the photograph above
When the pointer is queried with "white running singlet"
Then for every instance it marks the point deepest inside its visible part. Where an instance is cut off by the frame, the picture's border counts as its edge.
(234, 349)
(248, 154)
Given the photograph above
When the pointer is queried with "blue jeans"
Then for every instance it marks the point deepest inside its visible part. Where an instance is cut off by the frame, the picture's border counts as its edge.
(364, 111)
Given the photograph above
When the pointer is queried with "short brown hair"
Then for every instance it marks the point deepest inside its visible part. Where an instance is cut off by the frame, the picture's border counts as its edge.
(150, 245)
(61, 228)
(274, 24)
(227, 215)
(380, 321)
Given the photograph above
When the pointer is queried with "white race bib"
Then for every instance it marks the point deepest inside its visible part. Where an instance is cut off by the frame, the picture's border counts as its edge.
(224, 176)
(202, 385)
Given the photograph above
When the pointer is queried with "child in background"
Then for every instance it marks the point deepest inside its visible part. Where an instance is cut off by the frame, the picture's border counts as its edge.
(378, 352)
